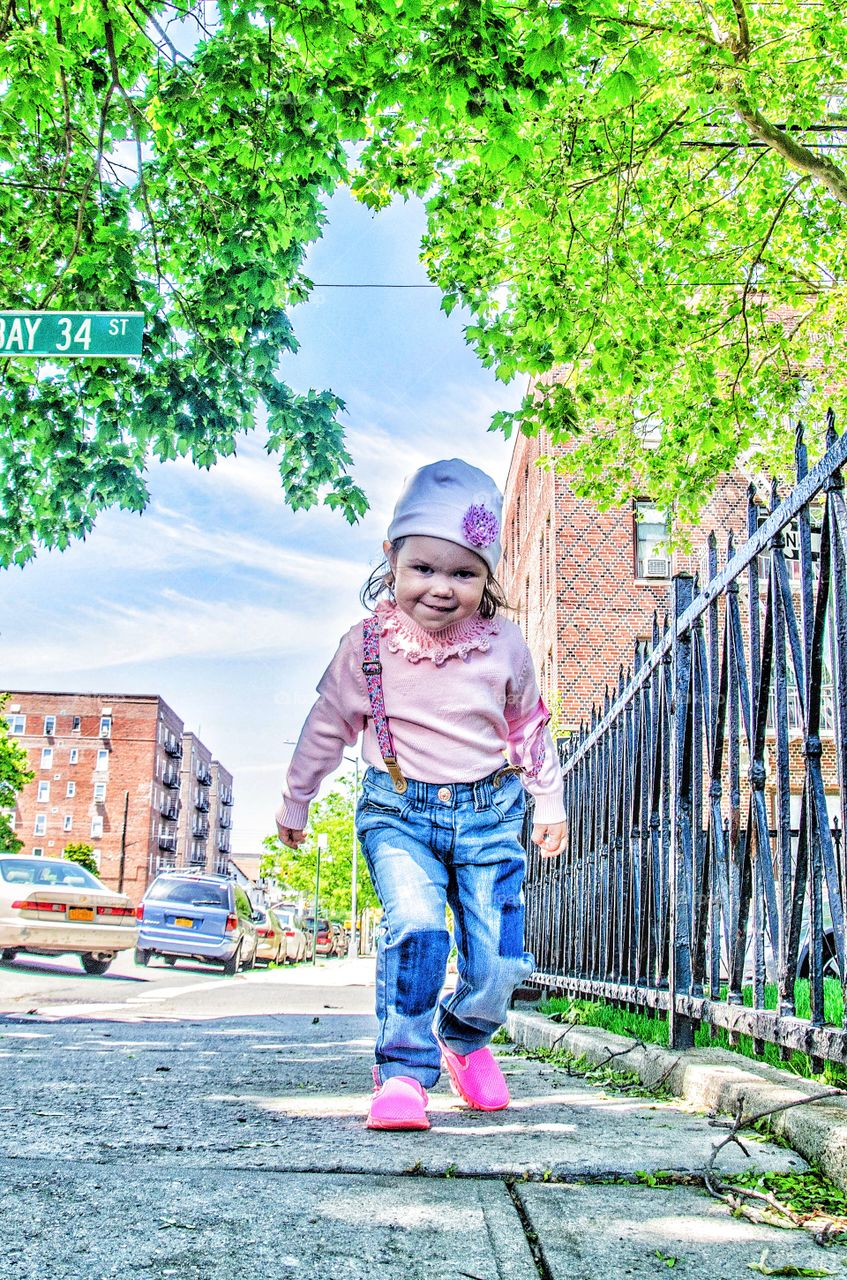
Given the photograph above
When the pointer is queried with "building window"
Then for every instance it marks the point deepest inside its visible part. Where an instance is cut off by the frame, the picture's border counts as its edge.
(105, 726)
(102, 759)
(651, 558)
(40, 824)
(68, 822)
(17, 724)
(46, 757)
(49, 726)
(100, 792)
(71, 791)
(38, 853)
(74, 756)
(76, 724)
(97, 826)
(43, 792)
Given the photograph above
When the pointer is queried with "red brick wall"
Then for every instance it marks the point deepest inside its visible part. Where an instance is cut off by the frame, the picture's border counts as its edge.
(130, 779)
(585, 608)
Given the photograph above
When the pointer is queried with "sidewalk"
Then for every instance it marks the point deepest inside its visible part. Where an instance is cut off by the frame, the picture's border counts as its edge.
(211, 1150)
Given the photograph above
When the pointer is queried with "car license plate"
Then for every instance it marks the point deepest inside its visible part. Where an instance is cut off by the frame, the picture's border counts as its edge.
(183, 921)
(80, 913)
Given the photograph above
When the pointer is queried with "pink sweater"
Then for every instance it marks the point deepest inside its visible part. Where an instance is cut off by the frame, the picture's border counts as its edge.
(456, 700)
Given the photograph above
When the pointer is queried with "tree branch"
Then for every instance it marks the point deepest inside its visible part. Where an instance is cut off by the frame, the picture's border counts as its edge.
(821, 168)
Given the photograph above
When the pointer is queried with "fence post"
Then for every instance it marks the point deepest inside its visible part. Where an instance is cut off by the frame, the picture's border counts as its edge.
(680, 782)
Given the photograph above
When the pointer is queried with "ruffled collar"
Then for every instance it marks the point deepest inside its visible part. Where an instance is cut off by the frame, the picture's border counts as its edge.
(402, 635)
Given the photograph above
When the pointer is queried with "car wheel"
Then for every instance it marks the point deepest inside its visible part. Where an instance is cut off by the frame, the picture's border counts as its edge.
(8, 953)
(92, 965)
(142, 956)
(233, 964)
(171, 960)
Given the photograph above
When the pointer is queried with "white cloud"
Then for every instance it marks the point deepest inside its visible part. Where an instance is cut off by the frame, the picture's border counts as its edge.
(174, 626)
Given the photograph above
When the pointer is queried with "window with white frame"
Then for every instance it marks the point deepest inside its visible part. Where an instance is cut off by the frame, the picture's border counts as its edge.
(71, 791)
(40, 828)
(17, 724)
(102, 759)
(49, 725)
(97, 826)
(74, 756)
(68, 822)
(76, 724)
(652, 560)
(105, 726)
(46, 757)
(38, 852)
(43, 792)
(100, 792)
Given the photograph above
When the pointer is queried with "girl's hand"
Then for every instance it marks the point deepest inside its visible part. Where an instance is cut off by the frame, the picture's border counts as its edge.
(291, 836)
(551, 838)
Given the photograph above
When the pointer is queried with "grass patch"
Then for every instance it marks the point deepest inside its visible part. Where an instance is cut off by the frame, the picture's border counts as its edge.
(603, 1076)
(654, 1030)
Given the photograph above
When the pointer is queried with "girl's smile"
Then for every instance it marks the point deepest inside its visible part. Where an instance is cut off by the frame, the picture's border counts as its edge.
(436, 583)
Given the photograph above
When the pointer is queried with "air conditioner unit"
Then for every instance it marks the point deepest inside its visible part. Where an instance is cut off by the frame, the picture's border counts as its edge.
(657, 567)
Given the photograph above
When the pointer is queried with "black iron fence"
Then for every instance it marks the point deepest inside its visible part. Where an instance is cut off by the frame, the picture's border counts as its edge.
(706, 798)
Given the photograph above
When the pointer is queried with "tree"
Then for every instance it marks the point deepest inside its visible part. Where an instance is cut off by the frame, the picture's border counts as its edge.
(295, 869)
(642, 206)
(185, 185)
(14, 775)
(84, 855)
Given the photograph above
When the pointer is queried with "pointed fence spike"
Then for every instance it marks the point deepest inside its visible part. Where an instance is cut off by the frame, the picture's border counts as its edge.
(655, 627)
(730, 545)
(831, 433)
(774, 495)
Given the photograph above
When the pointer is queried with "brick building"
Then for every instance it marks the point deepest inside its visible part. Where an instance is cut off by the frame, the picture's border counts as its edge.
(585, 583)
(110, 771)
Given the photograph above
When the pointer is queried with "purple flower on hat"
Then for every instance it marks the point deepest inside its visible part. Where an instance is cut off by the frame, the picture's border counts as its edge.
(479, 525)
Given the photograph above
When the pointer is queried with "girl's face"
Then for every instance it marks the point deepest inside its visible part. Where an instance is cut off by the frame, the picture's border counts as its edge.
(436, 583)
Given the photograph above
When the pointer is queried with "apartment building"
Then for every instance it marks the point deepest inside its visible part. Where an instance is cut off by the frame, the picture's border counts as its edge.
(112, 771)
(585, 583)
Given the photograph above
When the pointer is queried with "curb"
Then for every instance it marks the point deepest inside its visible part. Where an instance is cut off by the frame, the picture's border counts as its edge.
(710, 1080)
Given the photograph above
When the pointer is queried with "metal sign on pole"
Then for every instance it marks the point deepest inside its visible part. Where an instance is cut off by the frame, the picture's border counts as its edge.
(71, 333)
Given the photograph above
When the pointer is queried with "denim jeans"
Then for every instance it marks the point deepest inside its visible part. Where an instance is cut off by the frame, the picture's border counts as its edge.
(433, 845)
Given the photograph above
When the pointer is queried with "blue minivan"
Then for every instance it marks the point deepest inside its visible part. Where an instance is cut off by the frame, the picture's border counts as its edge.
(197, 916)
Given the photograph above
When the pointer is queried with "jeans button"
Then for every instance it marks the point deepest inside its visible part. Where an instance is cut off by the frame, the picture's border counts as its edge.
(444, 795)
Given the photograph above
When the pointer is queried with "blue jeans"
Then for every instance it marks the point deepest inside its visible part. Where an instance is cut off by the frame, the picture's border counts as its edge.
(434, 845)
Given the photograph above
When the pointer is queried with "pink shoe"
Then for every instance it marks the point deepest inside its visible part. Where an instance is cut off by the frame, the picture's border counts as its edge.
(398, 1104)
(477, 1078)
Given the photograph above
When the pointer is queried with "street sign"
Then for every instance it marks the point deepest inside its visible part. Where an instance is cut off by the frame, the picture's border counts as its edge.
(71, 333)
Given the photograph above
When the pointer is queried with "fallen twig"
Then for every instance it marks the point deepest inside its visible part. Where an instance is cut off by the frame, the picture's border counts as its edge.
(823, 1228)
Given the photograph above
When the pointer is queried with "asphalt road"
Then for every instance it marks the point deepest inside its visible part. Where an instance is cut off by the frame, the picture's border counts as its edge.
(59, 988)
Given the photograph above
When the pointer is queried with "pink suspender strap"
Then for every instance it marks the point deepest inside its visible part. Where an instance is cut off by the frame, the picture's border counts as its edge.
(372, 669)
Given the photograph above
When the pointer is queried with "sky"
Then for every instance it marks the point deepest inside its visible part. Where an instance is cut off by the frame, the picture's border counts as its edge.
(221, 599)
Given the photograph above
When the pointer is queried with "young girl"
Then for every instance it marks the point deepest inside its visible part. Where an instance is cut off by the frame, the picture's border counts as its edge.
(442, 690)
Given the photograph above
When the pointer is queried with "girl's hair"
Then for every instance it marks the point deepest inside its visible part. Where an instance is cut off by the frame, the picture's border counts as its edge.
(382, 580)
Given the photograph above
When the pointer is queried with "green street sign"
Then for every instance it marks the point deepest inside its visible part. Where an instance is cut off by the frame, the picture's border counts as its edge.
(71, 333)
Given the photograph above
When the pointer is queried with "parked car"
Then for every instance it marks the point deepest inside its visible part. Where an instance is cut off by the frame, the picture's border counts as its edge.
(339, 940)
(298, 944)
(271, 940)
(202, 917)
(323, 942)
(52, 907)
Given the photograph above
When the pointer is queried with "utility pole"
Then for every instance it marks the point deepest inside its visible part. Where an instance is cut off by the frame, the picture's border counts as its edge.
(123, 845)
(353, 949)
(323, 845)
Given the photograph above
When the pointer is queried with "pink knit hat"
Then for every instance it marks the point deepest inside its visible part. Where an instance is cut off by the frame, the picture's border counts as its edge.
(452, 500)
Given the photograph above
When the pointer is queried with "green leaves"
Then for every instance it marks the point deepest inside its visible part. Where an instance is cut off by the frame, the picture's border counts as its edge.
(611, 194)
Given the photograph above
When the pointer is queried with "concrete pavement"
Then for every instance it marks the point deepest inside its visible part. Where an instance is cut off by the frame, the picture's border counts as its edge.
(216, 1148)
